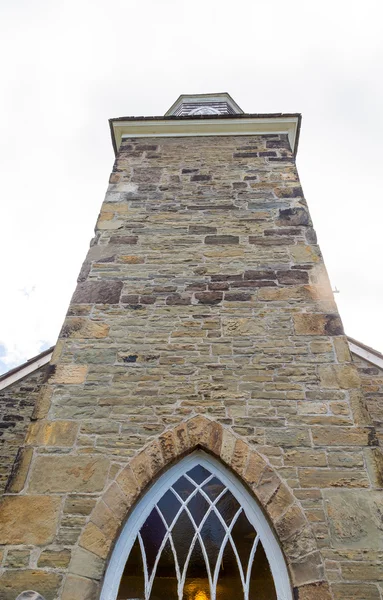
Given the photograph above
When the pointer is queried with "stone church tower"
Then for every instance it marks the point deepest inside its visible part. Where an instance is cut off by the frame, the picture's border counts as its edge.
(200, 432)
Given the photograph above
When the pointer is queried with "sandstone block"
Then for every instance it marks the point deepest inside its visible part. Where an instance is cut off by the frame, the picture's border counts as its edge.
(355, 591)
(279, 502)
(70, 374)
(79, 588)
(343, 376)
(325, 478)
(54, 559)
(52, 433)
(68, 474)
(79, 327)
(95, 541)
(20, 471)
(100, 292)
(354, 518)
(17, 559)
(314, 591)
(86, 564)
(317, 324)
(28, 519)
(342, 436)
(309, 569)
(304, 254)
(46, 583)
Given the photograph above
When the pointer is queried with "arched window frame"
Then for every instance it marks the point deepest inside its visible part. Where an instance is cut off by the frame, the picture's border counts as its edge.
(145, 505)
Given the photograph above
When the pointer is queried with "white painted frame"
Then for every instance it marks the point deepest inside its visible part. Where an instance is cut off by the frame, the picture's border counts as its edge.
(144, 507)
(205, 127)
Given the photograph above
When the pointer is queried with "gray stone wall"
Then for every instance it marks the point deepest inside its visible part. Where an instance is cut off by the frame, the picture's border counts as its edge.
(16, 407)
(203, 317)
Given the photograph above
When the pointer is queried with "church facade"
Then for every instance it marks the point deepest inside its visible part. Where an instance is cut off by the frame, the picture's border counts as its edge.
(203, 429)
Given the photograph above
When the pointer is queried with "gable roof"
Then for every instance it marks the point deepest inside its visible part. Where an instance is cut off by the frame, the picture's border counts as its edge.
(26, 368)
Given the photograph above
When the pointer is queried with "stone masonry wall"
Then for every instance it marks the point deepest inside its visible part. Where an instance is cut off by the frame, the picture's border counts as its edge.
(203, 295)
(16, 406)
(372, 385)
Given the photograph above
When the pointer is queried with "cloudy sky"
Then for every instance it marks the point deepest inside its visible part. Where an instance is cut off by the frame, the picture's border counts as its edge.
(66, 67)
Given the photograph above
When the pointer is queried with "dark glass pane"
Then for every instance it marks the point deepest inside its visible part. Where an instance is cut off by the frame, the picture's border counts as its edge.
(199, 474)
(198, 507)
(229, 584)
(261, 582)
(169, 506)
(213, 488)
(196, 582)
(132, 582)
(165, 580)
(243, 534)
(212, 534)
(152, 532)
(183, 487)
(182, 534)
(228, 506)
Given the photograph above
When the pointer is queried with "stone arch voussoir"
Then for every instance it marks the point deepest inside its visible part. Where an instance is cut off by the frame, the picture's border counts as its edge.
(283, 511)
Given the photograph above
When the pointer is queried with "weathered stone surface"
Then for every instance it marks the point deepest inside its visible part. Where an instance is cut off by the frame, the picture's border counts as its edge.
(12, 583)
(81, 328)
(68, 474)
(355, 519)
(17, 479)
(17, 559)
(355, 591)
(86, 564)
(324, 478)
(317, 324)
(54, 559)
(339, 376)
(79, 588)
(203, 319)
(28, 519)
(70, 374)
(314, 591)
(52, 433)
(101, 292)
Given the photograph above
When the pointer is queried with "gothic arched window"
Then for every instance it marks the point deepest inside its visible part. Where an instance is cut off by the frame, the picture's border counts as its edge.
(197, 535)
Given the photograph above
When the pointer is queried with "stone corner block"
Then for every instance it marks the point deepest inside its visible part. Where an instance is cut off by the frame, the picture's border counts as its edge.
(28, 519)
(68, 474)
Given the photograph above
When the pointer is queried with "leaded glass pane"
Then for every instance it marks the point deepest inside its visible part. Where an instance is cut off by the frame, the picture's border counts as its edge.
(132, 582)
(261, 582)
(243, 535)
(199, 474)
(213, 488)
(197, 544)
(152, 533)
(197, 581)
(229, 585)
(183, 487)
(169, 506)
(165, 581)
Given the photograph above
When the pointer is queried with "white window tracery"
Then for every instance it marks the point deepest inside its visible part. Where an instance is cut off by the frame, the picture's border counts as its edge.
(197, 535)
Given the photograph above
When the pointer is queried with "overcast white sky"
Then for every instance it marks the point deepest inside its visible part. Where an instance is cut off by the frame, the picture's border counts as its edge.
(66, 67)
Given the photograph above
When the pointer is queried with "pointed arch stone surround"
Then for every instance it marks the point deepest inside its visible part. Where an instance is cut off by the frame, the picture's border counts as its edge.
(284, 513)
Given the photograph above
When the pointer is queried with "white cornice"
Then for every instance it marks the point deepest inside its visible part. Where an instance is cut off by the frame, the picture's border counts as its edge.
(366, 354)
(28, 368)
(205, 127)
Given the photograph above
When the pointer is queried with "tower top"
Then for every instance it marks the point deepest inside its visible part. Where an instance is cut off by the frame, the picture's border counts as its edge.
(206, 114)
(204, 104)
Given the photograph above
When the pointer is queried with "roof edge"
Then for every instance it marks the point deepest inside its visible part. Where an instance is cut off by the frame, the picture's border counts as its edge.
(206, 125)
(26, 368)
